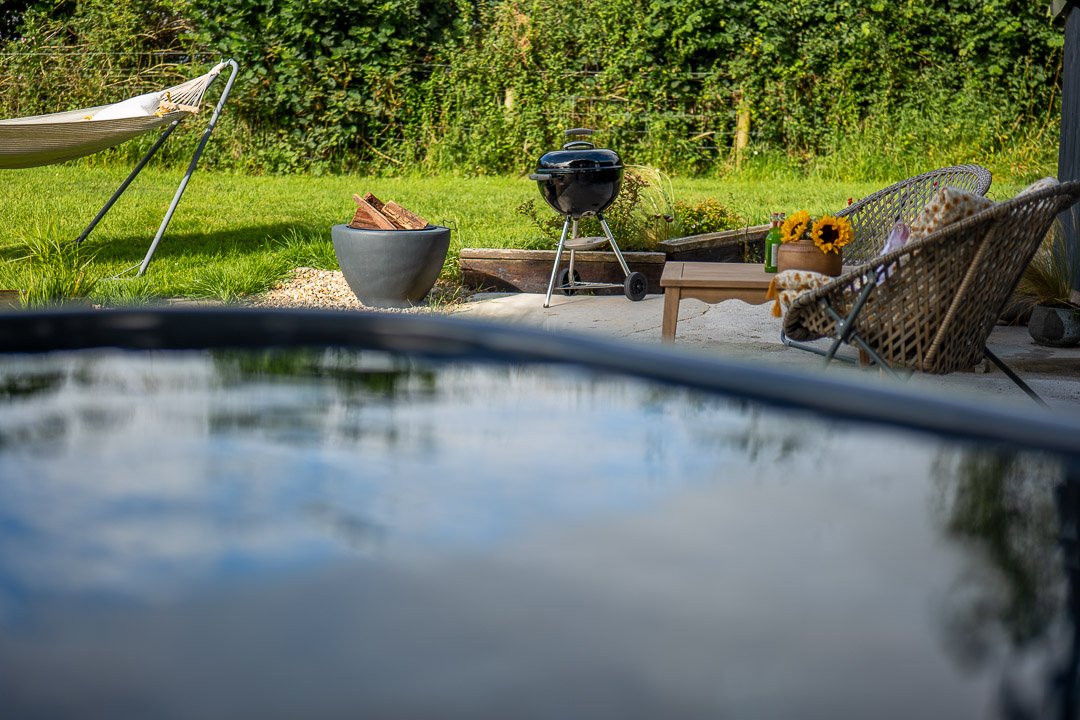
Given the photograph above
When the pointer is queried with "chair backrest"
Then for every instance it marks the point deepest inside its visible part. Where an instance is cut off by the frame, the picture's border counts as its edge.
(872, 217)
(944, 293)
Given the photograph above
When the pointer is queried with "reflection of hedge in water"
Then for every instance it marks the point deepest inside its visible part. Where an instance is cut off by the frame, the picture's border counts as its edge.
(486, 86)
(352, 371)
(1004, 506)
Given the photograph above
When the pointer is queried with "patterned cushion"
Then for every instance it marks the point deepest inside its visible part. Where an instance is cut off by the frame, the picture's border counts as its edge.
(948, 205)
(790, 284)
(1046, 182)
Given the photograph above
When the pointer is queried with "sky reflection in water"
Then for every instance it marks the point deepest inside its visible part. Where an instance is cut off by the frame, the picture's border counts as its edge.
(719, 534)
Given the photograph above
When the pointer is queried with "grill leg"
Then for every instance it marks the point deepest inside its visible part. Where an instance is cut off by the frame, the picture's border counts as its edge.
(614, 246)
(570, 271)
(558, 256)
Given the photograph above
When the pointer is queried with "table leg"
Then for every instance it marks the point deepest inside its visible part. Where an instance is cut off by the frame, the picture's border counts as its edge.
(672, 296)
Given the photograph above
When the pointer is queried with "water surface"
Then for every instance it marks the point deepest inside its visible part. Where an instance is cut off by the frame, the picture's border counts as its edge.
(337, 533)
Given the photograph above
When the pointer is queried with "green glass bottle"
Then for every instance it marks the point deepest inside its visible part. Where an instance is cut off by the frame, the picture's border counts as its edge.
(772, 243)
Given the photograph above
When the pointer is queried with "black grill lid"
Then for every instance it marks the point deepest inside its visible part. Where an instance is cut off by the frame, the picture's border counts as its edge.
(578, 155)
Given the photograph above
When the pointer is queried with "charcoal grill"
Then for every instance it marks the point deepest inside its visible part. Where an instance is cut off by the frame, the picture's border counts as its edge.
(581, 180)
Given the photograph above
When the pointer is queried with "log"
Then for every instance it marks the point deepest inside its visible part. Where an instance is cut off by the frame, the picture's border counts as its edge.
(373, 201)
(402, 217)
(368, 218)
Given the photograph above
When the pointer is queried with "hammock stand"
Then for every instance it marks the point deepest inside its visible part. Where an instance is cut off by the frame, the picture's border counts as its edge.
(57, 137)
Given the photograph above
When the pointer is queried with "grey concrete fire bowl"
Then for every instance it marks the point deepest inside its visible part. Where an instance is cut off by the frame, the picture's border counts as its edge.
(391, 268)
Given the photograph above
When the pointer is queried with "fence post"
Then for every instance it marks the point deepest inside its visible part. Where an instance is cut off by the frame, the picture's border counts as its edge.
(742, 128)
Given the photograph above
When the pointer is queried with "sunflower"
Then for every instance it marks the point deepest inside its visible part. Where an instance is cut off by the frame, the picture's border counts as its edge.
(794, 227)
(830, 233)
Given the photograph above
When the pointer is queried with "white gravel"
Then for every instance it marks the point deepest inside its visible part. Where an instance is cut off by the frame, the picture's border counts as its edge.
(311, 288)
(328, 290)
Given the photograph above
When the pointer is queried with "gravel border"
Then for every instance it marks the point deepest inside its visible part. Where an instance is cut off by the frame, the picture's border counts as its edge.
(328, 290)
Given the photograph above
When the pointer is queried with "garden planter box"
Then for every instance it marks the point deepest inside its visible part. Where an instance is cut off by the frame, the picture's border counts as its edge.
(724, 246)
(529, 270)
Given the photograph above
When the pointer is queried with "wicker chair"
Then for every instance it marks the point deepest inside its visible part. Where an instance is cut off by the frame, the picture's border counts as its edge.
(873, 216)
(930, 306)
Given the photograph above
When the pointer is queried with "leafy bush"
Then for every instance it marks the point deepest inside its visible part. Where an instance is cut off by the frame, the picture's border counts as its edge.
(327, 81)
(707, 216)
(835, 88)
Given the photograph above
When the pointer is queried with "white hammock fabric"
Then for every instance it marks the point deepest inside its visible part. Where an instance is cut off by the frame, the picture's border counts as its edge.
(47, 139)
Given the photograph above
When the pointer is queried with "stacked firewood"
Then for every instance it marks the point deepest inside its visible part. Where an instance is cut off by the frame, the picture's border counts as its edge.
(373, 214)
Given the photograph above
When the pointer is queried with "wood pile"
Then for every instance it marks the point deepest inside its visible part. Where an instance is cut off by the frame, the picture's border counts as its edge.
(373, 214)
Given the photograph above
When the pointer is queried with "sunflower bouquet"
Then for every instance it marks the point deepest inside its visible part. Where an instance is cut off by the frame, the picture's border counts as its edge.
(828, 233)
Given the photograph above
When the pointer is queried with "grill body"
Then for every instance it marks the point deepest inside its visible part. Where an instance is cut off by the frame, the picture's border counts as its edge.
(580, 192)
(579, 179)
(582, 180)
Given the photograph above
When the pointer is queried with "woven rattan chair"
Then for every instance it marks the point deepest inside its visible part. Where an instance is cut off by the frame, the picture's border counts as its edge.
(873, 216)
(930, 306)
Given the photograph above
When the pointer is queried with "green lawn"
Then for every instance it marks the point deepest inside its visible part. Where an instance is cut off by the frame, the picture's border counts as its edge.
(236, 234)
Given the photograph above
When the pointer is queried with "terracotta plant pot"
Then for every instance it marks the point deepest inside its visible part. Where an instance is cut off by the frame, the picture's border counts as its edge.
(805, 255)
(1054, 326)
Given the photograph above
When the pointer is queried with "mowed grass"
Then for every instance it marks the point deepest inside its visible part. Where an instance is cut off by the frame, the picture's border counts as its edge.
(236, 235)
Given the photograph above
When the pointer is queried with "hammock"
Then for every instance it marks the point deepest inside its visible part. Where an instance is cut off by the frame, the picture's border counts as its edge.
(46, 139)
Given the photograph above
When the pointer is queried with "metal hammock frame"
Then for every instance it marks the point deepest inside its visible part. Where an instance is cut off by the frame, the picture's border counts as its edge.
(57, 137)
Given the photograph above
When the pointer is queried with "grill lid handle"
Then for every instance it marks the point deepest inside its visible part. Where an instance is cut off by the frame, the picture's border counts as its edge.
(540, 177)
(578, 144)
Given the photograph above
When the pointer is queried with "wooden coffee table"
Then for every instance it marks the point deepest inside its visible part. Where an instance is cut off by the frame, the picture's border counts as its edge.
(710, 282)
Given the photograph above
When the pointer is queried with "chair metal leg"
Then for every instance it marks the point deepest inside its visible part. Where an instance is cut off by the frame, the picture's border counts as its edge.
(1013, 376)
(810, 348)
(845, 328)
(555, 266)
(191, 167)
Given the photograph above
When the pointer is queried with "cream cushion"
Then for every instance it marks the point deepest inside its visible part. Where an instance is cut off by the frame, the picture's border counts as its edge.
(949, 205)
(1046, 182)
(790, 284)
(946, 206)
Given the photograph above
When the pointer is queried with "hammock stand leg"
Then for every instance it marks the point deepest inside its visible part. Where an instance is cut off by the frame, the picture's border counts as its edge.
(124, 185)
(191, 167)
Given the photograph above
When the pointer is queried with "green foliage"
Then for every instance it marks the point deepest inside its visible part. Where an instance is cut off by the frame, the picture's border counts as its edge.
(74, 54)
(306, 249)
(54, 273)
(326, 80)
(238, 276)
(1048, 280)
(90, 52)
(664, 79)
(705, 216)
(834, 88)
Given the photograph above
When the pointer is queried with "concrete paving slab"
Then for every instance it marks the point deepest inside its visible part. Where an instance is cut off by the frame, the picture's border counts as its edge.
(737, 331)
